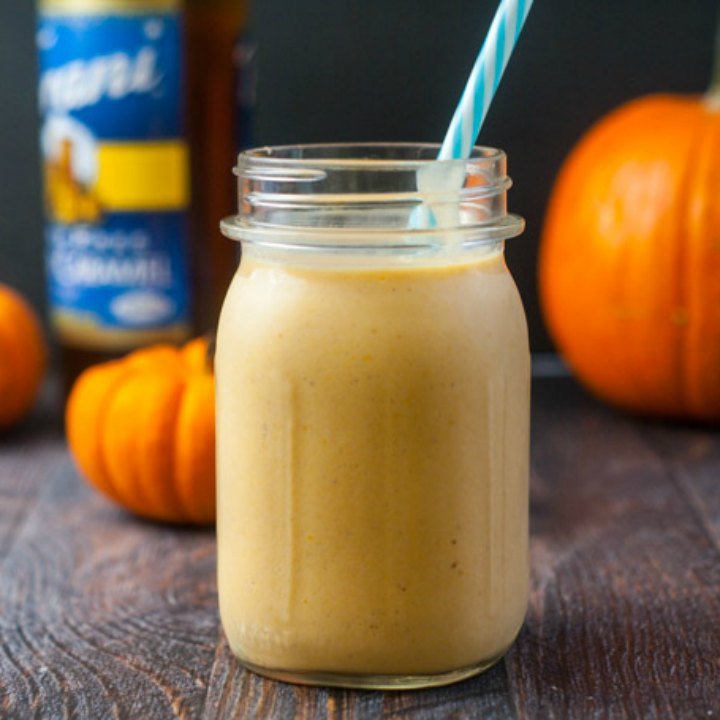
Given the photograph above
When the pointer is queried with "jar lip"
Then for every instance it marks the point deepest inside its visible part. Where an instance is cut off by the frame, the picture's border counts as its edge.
(394, 195)
(352, 240)
(338, 155)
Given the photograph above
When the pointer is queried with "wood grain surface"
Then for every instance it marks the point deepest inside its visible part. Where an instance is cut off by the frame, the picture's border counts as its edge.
(105, 616)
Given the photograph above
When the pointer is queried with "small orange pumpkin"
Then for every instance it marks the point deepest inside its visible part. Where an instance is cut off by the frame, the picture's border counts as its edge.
(142, 431)
(23, 356)
(630, 258)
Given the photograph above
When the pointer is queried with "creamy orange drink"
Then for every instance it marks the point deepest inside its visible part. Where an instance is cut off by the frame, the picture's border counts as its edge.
(372, 429)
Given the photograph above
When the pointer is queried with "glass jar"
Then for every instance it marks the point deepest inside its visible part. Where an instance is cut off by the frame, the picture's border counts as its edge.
(373, 381)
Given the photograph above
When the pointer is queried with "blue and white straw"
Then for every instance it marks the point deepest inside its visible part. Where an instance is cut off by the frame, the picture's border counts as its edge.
(484, 79)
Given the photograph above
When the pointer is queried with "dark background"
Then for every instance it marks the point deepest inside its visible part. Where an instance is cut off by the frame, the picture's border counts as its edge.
(393, 70)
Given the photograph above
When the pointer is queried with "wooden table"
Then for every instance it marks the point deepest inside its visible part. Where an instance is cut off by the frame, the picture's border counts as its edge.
(105, 616)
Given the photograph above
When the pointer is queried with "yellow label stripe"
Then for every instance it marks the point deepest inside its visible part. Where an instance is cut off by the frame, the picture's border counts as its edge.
(143, 176)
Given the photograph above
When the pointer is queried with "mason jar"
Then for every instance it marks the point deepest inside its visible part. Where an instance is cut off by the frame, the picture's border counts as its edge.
(373, 380)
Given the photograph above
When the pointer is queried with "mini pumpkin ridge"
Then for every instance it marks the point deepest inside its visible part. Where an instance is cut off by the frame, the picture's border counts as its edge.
(142, 432)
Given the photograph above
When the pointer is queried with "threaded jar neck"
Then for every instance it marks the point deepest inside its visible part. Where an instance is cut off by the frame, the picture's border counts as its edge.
(391, 197)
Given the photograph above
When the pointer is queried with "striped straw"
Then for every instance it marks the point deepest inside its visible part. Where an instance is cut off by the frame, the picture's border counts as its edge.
(484, 79)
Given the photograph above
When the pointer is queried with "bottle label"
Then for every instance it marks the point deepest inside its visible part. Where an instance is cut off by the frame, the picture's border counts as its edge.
(116, 173)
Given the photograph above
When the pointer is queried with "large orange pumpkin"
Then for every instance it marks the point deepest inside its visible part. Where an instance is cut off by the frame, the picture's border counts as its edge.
(22, 356)
(142, 431)
(630, 258)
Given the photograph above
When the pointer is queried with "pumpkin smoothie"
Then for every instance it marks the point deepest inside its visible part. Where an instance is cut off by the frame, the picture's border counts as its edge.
(372, 465)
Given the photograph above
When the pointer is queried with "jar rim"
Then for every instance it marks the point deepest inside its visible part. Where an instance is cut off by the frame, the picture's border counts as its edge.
(331, 155)
(352, 195)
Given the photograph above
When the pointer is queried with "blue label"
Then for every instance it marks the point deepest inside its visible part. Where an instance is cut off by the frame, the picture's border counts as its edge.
(129, 273)
(115, 165)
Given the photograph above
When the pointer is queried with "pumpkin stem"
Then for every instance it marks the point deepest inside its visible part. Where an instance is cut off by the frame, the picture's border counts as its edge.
(712, 96)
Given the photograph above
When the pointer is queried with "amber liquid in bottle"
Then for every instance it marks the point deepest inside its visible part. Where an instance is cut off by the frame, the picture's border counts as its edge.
(213, 28)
